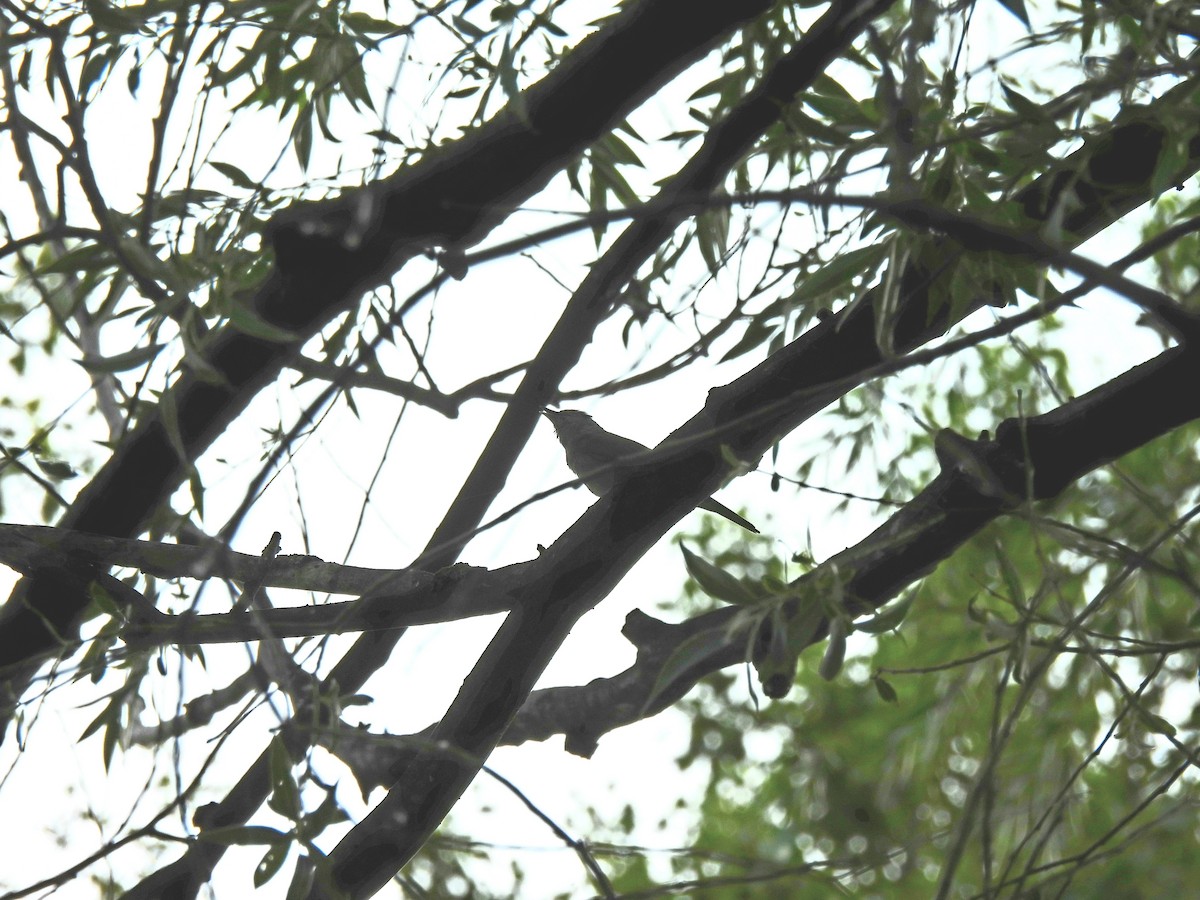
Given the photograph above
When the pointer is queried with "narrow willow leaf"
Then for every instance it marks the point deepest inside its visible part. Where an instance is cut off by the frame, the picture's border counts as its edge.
(121, 362)
(692, 652)
(889, 617)
(715, 581)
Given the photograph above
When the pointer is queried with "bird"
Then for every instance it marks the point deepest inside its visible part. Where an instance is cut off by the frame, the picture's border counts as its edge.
(594, 455)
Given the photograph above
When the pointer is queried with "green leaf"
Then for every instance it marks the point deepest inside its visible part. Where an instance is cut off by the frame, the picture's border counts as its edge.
(507, 69)
(386, 136)
(56, 469)
(692, 652)
(302, 879)
(1021, 104)
(715, 581)
(85, 257)
(839, 272)
(111, 710)
(95, 68)
(103, 600)
(835, 651)
(285, 793)
(169, 416)
(756, 334)
(468, 28)
(112, 735)
(328, 813)
(121, 362)
(236, 175)
(889, 617)
(247, 321)
(369, 24)
(23, 70)
(1012, 578)
(302, 138)
(884, 689)
(270, 864)
(1156, 724)
(712, 234)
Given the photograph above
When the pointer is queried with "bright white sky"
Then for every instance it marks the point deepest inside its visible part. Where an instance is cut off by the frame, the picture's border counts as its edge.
(497, 317)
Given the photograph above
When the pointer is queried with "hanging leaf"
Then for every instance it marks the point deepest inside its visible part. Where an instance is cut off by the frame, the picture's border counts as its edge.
(121, 362)
(715, 581)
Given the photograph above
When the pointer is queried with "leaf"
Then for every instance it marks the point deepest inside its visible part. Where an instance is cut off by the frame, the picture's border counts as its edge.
(236, 175)
(712, 233)
(111, 711)
(1021, 104)
(1156, 724)
(884, 689)
(285, 793)
(1017, 8)
(715, 581)
(302, 879)
(134, 79)
(103, 600)
(507, 69)
(85, 257)
(245, 320)
(467, 27)
(692, 652)
(846, 113)
(149, 264)
(328, 813)
(839, 272)
(302, 138)
(23, 70)
(112, 735)
(121, 362)
(835, 651)
(386, 136)
(757, 333)
(94, 69)
(1012, 579)
(168, 414)
(889, 617)
(270, 864)
(56, 469)
(369, 24)
(108, 18)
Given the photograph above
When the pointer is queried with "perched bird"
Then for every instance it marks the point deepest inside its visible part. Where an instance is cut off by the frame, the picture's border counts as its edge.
(594, 454)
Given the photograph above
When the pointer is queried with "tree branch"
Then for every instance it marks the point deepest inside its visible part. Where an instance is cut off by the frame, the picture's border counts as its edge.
(326, 254)
(1048, 452)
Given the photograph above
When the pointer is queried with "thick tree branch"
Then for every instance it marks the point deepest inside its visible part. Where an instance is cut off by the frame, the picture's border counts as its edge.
(1112, 197)
(579, 570)
(662, 36)
(979, 482)
(748, 417)
(328, 253)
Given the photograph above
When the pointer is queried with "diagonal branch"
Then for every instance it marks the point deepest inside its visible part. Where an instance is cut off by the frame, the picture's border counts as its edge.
(1035, 459)
(579, 570)
(328, 253)
(748, 417)
(1135, 146)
